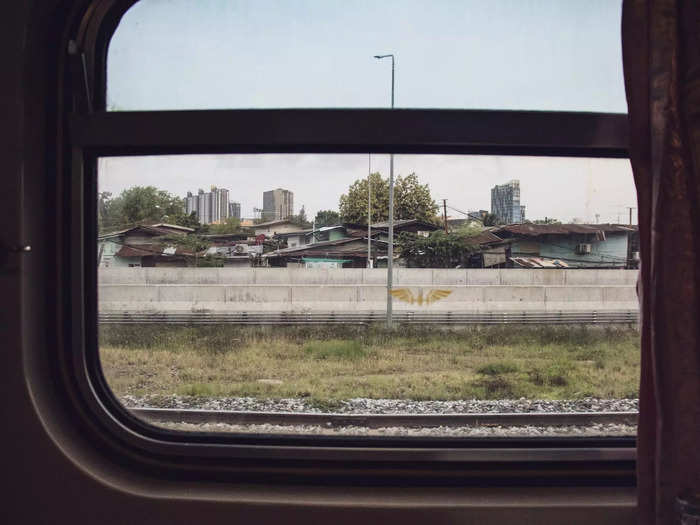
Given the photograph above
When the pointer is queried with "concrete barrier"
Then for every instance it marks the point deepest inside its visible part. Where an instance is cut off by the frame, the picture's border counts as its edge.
(302, 290)
(357, 276)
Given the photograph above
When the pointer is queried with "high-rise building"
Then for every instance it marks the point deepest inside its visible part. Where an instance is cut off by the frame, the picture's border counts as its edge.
(190, 203)
(210, 207)
(234, 210)
(505, 203)
(277, 204)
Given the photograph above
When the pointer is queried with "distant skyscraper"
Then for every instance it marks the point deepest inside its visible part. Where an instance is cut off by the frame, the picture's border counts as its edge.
(234, 210)
(277, 204)
(211, 207)
(190, 203)
(505, 203)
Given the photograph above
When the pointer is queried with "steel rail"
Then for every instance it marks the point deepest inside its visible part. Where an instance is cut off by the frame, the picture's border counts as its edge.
(404, 317)
(335, 420)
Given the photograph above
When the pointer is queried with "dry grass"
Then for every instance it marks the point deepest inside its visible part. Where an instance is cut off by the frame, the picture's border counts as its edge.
(332, 363)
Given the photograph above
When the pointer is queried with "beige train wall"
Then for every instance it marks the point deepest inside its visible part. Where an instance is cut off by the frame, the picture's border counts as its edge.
(324, 290)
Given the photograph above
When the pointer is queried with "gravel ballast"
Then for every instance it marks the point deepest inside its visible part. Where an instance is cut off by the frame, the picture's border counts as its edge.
(382, 406)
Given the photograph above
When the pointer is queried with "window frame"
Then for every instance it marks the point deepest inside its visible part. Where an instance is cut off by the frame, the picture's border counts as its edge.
(92, 132)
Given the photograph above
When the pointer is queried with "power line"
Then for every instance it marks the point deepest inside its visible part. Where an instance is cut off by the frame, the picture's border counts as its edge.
(470, 215)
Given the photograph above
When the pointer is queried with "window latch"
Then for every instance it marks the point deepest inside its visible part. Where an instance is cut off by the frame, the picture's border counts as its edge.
(6, 250)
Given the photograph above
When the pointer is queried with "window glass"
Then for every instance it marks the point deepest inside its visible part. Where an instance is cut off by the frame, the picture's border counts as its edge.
(502, 54)
(252, 284)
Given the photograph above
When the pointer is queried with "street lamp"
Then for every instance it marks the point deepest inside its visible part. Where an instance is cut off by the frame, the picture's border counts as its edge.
(369, 210)
(390, 249)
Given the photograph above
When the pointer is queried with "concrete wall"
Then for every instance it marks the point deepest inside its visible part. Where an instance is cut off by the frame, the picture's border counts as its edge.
(298, 289)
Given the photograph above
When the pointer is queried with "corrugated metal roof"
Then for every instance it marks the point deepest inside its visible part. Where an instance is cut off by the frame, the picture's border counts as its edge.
(362, 244)
(173, 226)
(400, 223)
(155, 229)
(534, 230)
(142, 250)
(309, 231)
(485, 237)
(145, 250)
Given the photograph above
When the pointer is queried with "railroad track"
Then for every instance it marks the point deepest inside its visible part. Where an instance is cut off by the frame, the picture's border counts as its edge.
(591, 317)
(535, 419)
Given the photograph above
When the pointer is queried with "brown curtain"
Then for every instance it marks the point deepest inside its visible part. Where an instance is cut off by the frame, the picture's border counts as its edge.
(661, 55)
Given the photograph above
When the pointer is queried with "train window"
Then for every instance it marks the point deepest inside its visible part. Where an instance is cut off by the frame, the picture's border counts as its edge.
(258, 308)
(501, 54)
(239, 299)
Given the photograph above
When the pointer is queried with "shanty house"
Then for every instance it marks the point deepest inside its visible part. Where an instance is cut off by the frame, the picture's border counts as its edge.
(272, 228)
(342, 253)
(570, 245)
(139, 246)
(311, 236)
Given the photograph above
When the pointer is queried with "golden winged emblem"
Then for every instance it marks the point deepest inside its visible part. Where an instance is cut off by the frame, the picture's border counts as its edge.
(407, 296)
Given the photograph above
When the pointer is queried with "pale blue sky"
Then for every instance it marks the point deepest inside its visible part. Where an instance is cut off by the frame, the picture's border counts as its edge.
(498, 54)
(524, 54)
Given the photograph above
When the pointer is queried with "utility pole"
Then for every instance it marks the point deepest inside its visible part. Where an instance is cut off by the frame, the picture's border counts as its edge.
(444, 213)
(630, 208)
(390, 248)
(369, 210)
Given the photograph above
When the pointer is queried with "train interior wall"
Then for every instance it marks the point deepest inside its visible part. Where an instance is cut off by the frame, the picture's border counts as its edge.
(53, 473)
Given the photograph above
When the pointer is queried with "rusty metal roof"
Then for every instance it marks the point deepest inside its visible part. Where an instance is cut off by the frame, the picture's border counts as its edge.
(142, 250)
(155, 230)
(534, 230)
(325, 246)
(402, 223)
(484, 237)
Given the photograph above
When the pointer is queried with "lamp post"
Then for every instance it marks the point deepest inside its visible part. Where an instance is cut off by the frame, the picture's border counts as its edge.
(390, 248)
(369, 210)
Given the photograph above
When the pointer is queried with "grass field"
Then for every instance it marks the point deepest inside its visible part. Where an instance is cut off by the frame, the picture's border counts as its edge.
(327, 364)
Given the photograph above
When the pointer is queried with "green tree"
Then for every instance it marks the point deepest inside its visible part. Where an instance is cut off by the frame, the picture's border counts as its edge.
(327, 218)
(300, 219)
(188, 221)
(469, 229)
(491, 219)
(230, 225)
(140, 205)
(412, 200)
(438, 250)
(353, 205)
(193, 244)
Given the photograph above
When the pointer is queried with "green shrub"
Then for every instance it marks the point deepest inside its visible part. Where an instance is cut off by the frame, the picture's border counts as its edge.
(495, 369)
(554, 374)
